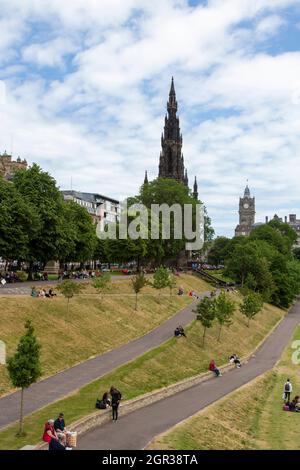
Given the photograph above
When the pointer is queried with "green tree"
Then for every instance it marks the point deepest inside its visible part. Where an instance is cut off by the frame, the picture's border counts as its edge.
(101, 283)
(169, 192)
(161, 278)
(273, 236)
(69, 288)
(78, 239)
(18, 223)
(224, 310)
(206, 314)
(138, 282)
(296, 253)
(251, 306)
(172, 283)
(251, 282)
(243, 260)
(39, 189)
(219, 251)
(24, 367)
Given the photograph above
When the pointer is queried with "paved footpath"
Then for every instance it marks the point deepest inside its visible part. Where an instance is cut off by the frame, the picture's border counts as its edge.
(57, 386)
(137, 429)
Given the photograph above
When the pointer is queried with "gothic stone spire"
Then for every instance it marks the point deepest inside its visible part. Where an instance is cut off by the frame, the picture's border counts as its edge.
(146, 178)
(171, 162)
(195, 192)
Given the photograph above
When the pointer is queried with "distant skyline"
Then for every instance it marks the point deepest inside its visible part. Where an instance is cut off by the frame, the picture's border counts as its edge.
(84, 86)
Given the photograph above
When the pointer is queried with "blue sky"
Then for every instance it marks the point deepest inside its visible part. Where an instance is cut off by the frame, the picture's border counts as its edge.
(86, 84)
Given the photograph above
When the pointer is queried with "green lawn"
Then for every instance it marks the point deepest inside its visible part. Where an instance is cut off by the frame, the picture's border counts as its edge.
(249, 418)
(175, 360)
(219, 275)
(93, 326)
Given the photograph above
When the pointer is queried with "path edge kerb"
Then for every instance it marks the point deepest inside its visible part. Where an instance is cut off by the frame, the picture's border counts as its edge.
(99, 418)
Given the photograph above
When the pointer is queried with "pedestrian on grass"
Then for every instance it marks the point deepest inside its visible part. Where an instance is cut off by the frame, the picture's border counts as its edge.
(115, 402)
(287, 390)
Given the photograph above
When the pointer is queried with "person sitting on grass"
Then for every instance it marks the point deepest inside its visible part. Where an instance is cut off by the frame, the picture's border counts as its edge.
(213, 368)
(180, 291)
(179, 331)
(52, 293)
(34, 292)
(235, 360)
(105, 400)
(294, 404)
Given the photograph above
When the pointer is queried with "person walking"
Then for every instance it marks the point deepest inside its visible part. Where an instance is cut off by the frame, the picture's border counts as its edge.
(288, 388)
(115, 402)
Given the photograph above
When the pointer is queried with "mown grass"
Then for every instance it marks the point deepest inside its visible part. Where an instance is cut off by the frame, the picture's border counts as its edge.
(250, 418)
(94, 324)
(173, 361)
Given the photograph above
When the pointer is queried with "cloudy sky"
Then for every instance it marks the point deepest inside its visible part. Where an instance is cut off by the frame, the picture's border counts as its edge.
(84, 85)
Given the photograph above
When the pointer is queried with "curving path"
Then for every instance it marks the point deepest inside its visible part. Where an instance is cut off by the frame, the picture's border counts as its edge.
(137, 429)
(59, 385)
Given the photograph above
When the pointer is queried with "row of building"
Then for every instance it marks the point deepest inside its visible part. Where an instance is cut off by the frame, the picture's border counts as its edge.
(102, 209)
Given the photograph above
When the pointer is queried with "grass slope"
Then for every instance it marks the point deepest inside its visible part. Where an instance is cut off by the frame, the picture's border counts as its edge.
(93, 326)
(175, 360)
(249, 418)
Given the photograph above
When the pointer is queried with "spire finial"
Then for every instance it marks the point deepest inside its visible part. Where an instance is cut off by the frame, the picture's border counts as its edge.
(195, 192)
(247, 190)
(172, 89)
(146, 177)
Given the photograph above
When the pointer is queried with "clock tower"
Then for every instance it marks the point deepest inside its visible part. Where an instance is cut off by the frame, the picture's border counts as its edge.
(246, 213)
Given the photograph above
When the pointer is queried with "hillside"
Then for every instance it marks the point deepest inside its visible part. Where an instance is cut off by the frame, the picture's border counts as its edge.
(93, 326)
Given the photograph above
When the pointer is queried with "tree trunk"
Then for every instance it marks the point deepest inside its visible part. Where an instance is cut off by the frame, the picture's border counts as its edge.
(30, 278)
(203, 339)
(136, 300)
(220, 333)
(21, 413)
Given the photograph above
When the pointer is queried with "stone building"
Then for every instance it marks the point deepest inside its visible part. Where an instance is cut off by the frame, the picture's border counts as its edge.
(246, 214)
(102, 209)
(8, 166)
(292, 221)
(171, 161)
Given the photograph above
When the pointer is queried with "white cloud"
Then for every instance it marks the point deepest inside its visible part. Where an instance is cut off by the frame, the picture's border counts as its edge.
(100, 119)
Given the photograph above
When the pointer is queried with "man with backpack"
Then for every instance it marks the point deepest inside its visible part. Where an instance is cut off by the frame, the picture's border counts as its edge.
(287, 391)
(115, 401)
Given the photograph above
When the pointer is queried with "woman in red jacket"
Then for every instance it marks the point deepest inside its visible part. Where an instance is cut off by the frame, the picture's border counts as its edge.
(213, 368)
(49, 431)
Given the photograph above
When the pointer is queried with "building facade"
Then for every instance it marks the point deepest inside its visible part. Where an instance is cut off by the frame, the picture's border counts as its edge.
(8, 166)
(292, 221)
(102, 209)
(246, 214)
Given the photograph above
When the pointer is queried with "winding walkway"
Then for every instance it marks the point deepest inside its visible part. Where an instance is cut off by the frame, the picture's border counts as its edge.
(59, 385)
(137, 429)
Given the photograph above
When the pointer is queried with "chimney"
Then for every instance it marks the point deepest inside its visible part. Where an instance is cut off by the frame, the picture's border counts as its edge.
(285, 219)
(267, 219)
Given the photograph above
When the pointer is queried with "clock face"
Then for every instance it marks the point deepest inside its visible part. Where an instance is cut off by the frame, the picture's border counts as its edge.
(246, 206)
